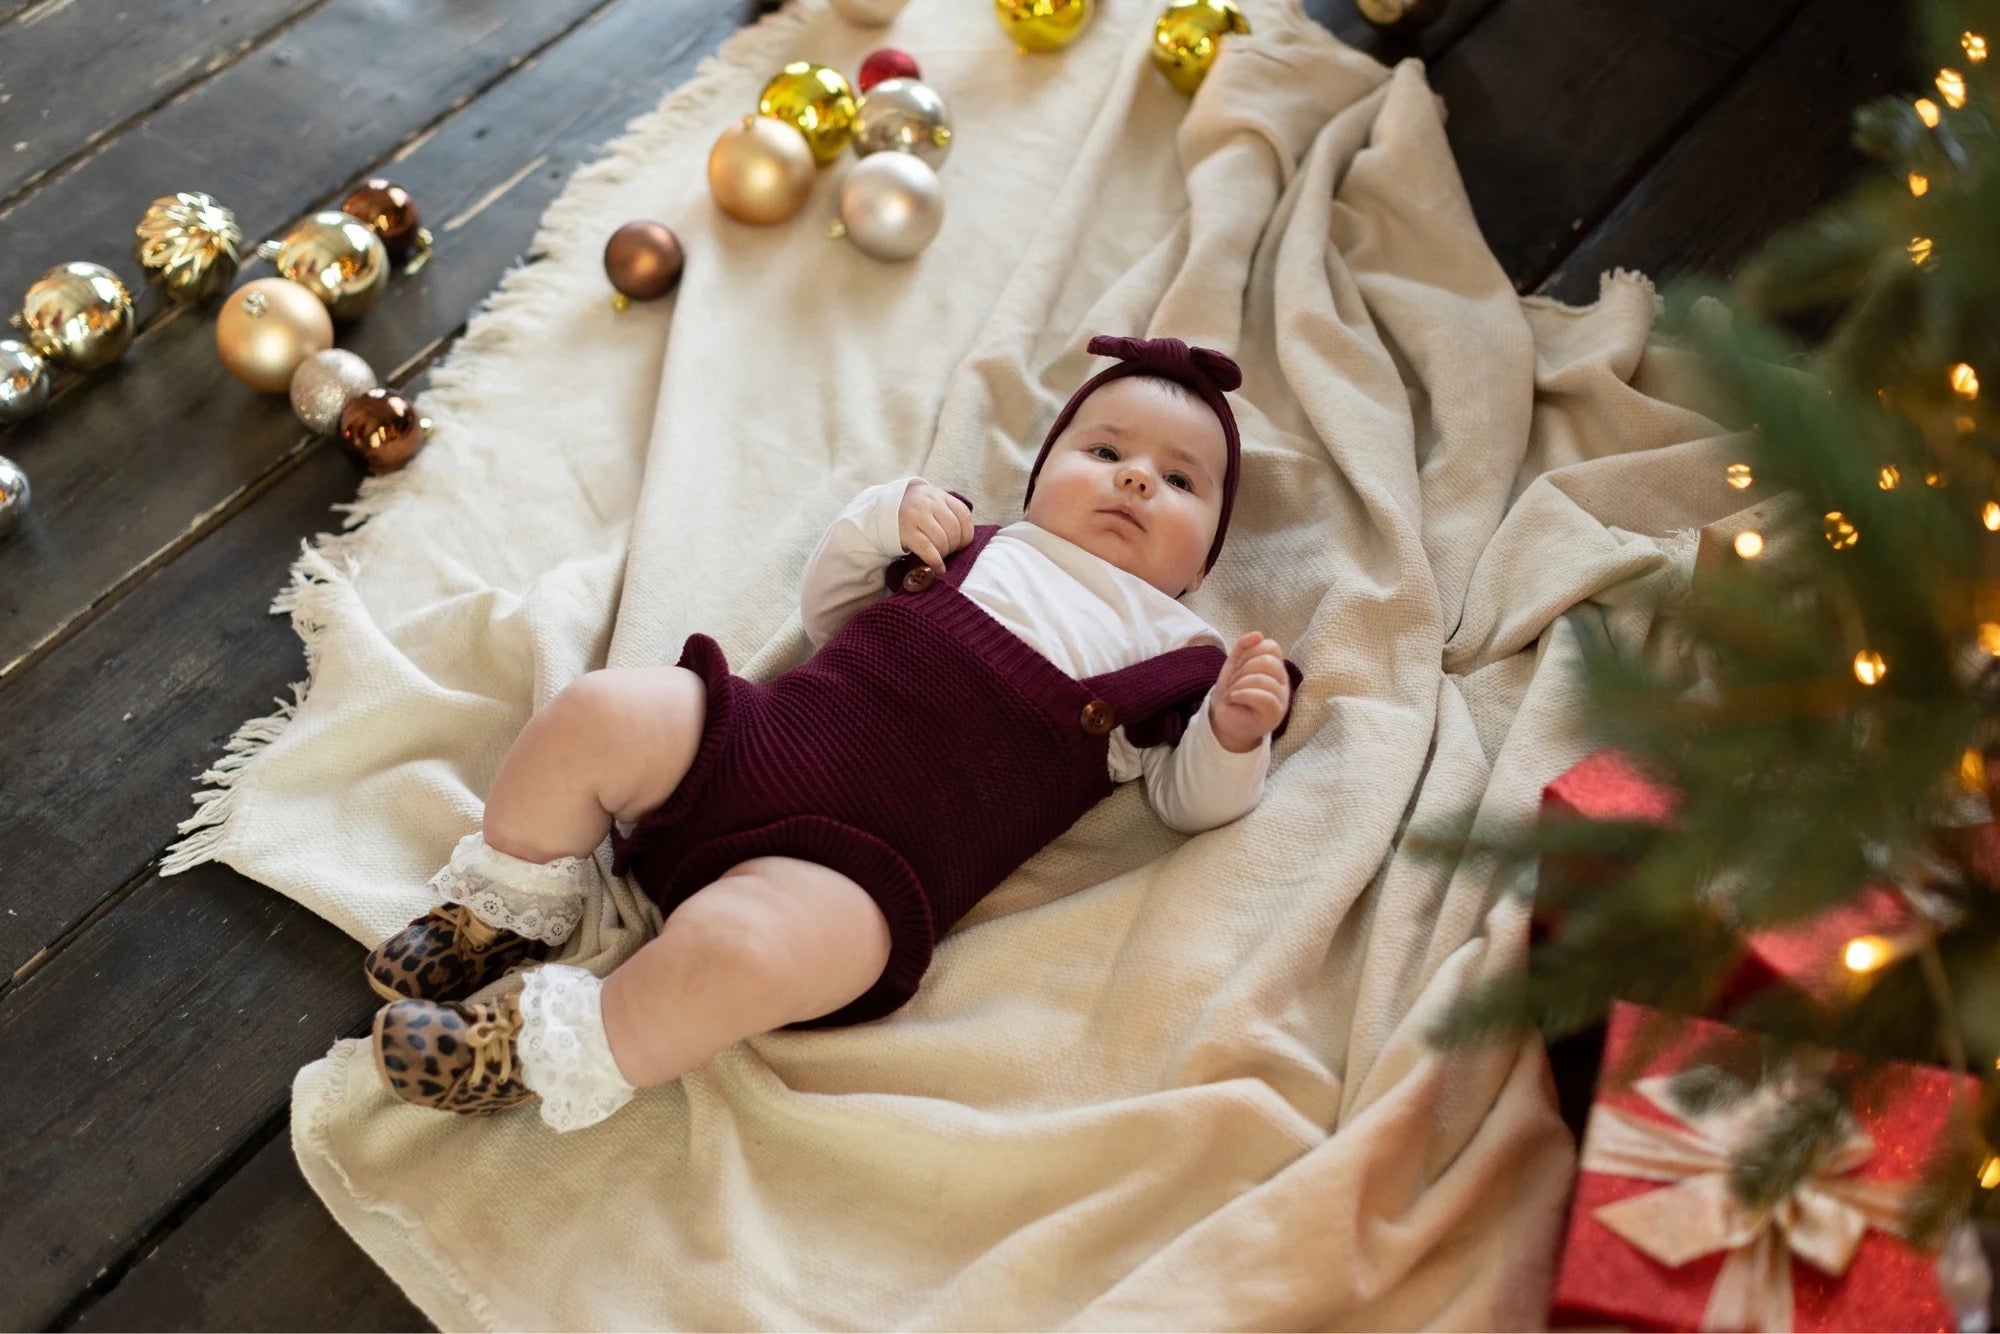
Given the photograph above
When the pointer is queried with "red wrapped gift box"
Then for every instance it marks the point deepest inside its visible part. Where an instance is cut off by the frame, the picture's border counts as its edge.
(1904, 1110)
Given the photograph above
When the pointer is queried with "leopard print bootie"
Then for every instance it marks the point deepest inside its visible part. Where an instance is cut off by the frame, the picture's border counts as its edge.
(445, 954)
(453, 1056)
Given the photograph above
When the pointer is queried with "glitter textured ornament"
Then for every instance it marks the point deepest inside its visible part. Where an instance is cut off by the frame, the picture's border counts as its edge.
(14, 494)
(891, 205)
(78, 315)
(817, 101)
(887, 63)
(643, 260)
(24, 382)
(336, 257)
(326, 382)
(761, 170)
(1401, 17)
(869, 13)
(1188, 37)
(390, 213)
(380, 431)
(266, 328)
(905, 116)
(188, 244)
(1042, 25)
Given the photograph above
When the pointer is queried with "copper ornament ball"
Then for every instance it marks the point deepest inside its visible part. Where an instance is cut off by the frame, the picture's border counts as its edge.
(380, 431)
(643, 260)
(389, 212)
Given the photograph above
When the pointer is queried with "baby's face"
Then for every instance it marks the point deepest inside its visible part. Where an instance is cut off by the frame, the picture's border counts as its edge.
(1139, 444)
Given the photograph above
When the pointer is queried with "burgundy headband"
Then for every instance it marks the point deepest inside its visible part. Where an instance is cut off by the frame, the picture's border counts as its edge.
(1204, 370)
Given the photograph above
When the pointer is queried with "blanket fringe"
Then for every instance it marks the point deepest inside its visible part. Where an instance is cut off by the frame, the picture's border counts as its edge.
(324, 573)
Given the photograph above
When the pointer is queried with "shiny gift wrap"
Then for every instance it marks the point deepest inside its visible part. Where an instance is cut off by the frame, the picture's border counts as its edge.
(1716, 1265)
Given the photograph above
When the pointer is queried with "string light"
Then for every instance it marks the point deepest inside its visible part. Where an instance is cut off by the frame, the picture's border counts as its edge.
(1990, 516)
(1888, 477)
(1869, 668)
(1975, 46)
(1749, 544)
(1966, 425)
(1989, 1173)
(1739, 476)
(1972, 765)
(1864, 954)
(1919, 183)
(1964, 381)
(1920, 250)
(1989, 644)
(1840, 534)
(1927, 111)
(1951, 86)
(1933, 479)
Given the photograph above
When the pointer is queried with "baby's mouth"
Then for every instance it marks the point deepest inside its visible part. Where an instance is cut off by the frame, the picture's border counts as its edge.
(1126, 515)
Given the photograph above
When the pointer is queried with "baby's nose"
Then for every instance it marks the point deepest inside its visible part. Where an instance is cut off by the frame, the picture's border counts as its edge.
(1134, 478)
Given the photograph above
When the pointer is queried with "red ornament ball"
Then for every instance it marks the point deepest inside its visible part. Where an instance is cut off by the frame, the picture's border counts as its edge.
(888, 63)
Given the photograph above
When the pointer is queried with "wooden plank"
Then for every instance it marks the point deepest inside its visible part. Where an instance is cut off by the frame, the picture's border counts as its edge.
(75, 73)
(1555, 106)
(1776, 147)
(580, 93)
(261, 1253)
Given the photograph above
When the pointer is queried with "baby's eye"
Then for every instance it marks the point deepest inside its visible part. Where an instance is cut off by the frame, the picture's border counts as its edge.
(1106, 448)
(1184, 483)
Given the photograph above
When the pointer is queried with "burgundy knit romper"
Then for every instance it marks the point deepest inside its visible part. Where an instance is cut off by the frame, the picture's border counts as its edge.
(925, 752)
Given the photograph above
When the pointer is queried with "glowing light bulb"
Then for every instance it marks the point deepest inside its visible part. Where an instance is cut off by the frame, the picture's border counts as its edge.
(1927, 111)
(1919, 184)
(1975, 46)
(1840, 533)
(1888, 477)
(1739, 476)
(1989, 644)
(1964, 381)
(1966, 425)
(1933, 479)
(1990, 516)
(1869, 668)
(1749, 544)
(1989, 1172)
(1920, 250)
(1864, 954)
(1972, 768)
(1951, 87)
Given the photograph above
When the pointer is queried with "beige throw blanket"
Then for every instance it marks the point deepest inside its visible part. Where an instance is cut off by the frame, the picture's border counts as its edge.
(1153, 1081)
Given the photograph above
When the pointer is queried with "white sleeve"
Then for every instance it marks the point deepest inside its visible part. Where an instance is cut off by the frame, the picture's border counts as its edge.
(1198, 784)
(845, 572)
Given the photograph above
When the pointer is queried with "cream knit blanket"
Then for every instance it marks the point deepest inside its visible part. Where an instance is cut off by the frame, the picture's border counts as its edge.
(1153, 1081)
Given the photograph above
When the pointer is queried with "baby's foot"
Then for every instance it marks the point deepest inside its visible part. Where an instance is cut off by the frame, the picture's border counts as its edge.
(447, 953)
(453, 1056)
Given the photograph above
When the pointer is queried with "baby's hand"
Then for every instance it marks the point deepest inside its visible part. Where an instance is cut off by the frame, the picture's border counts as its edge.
(932, 522)
(1251, 695)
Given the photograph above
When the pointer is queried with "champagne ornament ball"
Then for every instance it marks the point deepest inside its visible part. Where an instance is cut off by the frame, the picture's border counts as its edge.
(906, 116)
(891, 205)
(326, 382)
(869, 13)
(817, 100)
(1401, 17)
(267, 328)
(389, 212)
(24, 382)
(14, 494)
(380, 431)
(887, 63)
(336, 257)
(761, 170)
(78, 315)
(188, 245)
(1188, 37)
(643, 260)
(1042, 25)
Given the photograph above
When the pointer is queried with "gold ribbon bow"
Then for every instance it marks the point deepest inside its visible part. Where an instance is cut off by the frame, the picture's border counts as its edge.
(1822, 1219)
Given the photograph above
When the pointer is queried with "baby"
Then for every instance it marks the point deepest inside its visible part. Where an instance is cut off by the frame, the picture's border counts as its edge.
(804, 841)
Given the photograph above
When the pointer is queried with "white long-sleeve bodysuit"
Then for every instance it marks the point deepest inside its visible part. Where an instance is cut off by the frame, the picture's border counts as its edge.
(1076, 609)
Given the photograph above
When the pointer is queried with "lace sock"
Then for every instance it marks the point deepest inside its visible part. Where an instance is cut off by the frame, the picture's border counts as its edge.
(564, 1054)
(542, 900)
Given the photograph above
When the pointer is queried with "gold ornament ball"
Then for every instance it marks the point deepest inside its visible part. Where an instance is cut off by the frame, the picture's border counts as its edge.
(643, 260)
(338, 258)
(1401, 17)
(266, 328)
(761, 170)
(380, 431)
(78, 315)
(815, 99)
(1188, 37)
(1042, 25)
(188, 245)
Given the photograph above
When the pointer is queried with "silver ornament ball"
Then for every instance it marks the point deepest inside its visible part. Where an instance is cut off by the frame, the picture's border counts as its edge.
(13, 496)
(326, 382)
(24, 382)
(905, 116)
(869, 13)
(891, 205)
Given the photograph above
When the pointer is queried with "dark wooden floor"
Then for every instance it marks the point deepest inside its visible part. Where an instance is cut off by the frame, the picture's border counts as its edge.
(150, 1028)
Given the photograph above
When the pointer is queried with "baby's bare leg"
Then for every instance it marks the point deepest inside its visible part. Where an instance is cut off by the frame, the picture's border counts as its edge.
(613, 745)
(774, 941)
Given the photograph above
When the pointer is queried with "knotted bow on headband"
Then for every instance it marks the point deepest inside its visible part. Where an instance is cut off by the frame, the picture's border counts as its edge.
(1209, 373)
